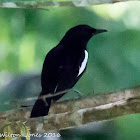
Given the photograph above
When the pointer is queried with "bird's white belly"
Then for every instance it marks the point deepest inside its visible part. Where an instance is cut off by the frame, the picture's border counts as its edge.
(84, 63)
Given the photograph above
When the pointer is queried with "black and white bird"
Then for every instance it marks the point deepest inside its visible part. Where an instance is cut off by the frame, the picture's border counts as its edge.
(63, 66)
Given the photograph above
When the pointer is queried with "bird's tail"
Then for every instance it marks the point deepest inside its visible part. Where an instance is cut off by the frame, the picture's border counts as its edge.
(41, 107)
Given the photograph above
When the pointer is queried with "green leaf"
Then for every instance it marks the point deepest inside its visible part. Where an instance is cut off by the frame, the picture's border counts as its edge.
(7, 130)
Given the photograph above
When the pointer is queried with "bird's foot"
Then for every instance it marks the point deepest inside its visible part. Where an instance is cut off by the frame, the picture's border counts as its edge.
(78, 93)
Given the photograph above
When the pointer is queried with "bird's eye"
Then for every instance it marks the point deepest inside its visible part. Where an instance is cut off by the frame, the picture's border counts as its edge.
(92, 30)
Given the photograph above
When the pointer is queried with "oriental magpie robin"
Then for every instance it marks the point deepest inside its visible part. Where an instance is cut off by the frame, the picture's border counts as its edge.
(63, 66)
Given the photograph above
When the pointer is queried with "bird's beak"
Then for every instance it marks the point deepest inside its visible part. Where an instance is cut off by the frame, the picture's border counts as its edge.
(100, 31)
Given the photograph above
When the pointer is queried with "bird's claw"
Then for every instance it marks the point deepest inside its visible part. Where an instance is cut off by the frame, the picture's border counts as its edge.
(78, 93)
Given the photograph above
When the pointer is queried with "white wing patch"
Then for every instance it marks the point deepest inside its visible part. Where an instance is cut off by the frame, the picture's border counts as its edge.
(84, 63)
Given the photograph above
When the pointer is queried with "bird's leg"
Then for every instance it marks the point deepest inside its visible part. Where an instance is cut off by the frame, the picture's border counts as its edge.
(55, 88)
(44, 99)
(78, 93)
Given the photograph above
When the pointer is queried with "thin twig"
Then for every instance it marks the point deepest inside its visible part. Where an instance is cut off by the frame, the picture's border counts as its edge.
(43, 97)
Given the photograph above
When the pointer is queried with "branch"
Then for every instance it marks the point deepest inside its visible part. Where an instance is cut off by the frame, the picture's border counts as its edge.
(57, 3)
(73, 113)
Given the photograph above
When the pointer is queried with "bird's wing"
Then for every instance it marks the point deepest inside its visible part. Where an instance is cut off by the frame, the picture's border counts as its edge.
(53, 82)
(83, 64)
(58, 73)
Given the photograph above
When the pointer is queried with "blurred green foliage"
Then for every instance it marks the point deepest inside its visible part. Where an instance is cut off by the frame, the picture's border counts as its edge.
(27, 35)
(27, 0)
(123, 128)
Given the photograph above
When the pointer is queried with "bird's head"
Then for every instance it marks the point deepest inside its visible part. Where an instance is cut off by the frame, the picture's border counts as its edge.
(81, 34)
